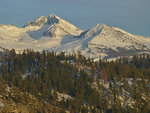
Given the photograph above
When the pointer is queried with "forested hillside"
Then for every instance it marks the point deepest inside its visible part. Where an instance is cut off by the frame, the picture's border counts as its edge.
(75, 84)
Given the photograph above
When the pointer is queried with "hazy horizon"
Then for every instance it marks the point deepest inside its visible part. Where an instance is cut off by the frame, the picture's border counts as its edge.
(132, 16)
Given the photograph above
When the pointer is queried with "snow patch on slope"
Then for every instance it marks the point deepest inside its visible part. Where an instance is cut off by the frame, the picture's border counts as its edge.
(9, 33)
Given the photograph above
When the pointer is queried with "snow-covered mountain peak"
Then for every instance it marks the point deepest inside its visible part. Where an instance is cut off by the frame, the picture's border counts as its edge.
(60, 27)
(38, 22)
(56, 34)
(54, 16)
(53, 19)
(42, 19)
(51, 27)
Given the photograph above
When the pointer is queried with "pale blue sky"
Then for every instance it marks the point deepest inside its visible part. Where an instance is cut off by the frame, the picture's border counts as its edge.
(130, 15)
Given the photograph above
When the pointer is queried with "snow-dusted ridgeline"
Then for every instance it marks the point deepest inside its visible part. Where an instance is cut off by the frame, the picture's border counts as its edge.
(55, 34)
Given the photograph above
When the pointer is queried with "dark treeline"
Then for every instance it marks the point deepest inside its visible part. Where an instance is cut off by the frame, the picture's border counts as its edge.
(44, 74)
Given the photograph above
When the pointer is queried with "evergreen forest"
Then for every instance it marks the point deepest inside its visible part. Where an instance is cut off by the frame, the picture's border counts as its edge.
(77, 84)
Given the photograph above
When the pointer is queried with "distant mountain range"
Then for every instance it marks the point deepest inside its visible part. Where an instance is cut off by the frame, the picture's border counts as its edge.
(55, 34)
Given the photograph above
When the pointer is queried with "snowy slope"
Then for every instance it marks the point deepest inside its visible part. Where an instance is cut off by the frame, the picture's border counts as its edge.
(55, 34)
(10, 33)
(51, 26)
(1, 49)
(105, 42)
(43, 33)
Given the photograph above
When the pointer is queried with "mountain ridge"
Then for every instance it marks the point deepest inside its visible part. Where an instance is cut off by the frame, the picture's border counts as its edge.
(55, 34)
